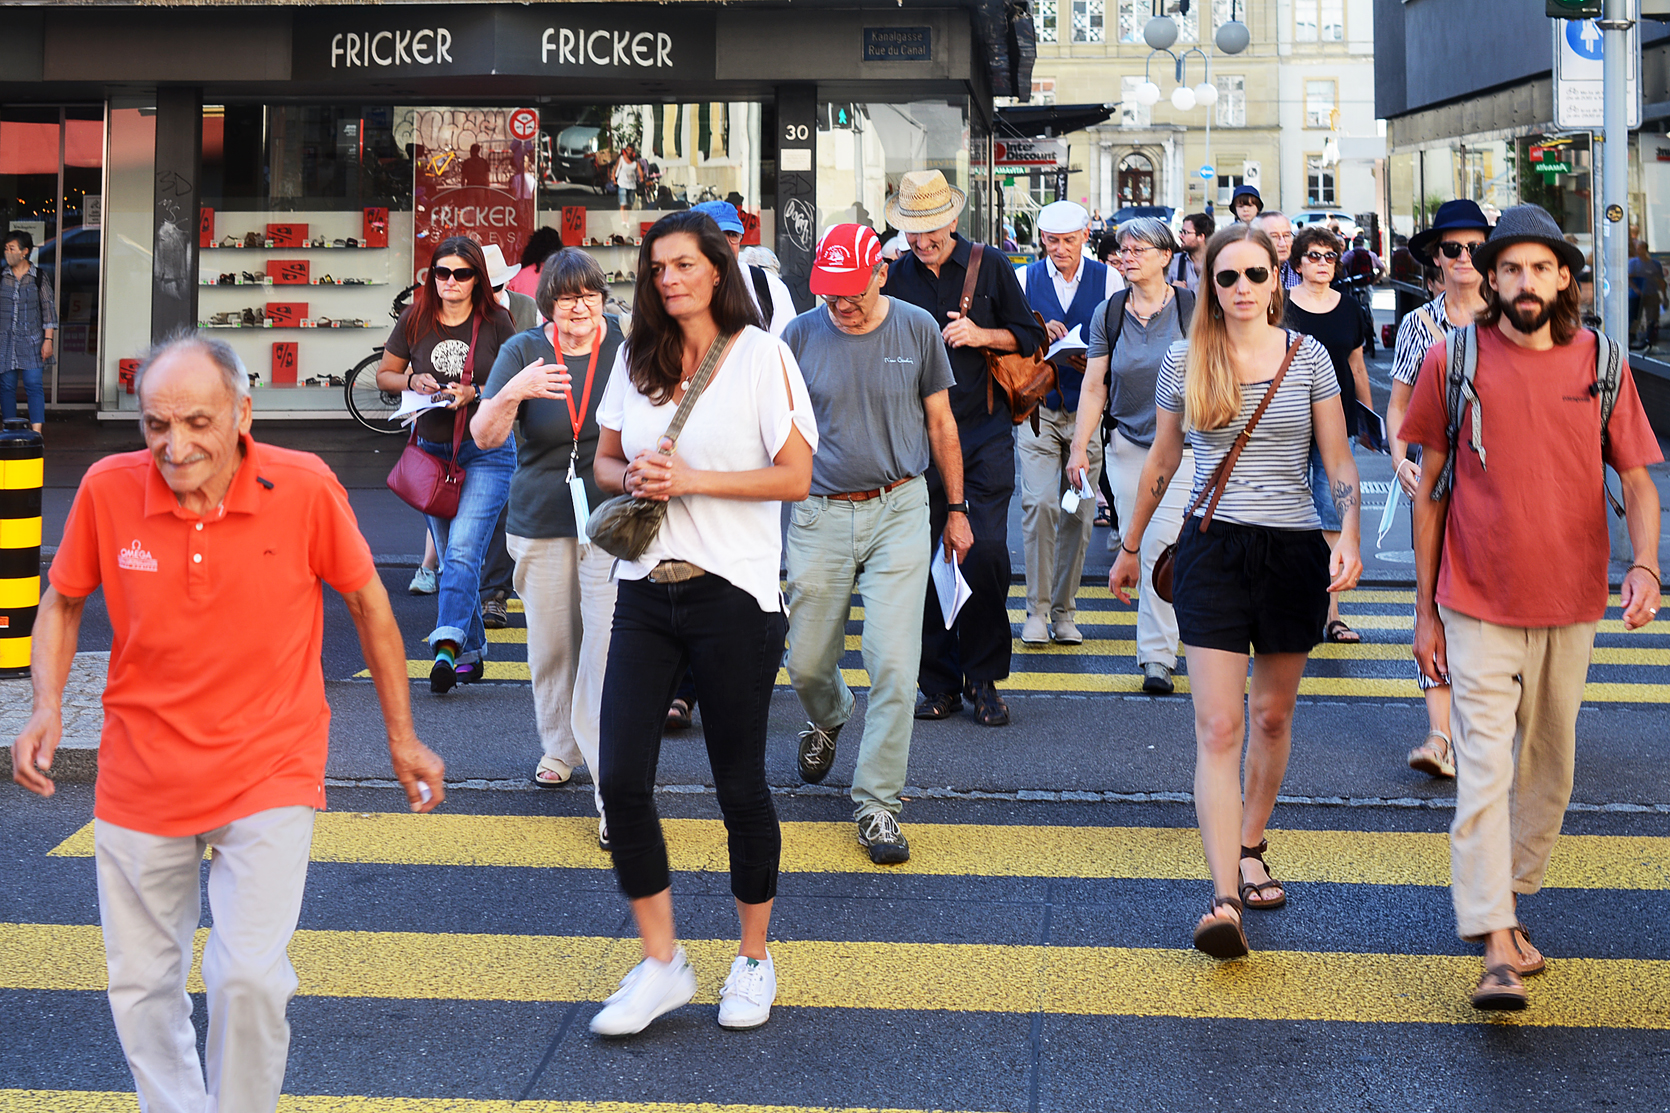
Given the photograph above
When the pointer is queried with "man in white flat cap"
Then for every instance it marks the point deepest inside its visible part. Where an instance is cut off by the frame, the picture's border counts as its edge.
(1064, 288)
(967, 660)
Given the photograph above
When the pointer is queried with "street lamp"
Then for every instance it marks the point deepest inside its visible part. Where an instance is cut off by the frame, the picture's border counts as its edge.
(1160, 33)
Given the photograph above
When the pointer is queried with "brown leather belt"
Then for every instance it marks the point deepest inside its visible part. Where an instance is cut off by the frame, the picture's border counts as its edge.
(866, 496)
(675, 572)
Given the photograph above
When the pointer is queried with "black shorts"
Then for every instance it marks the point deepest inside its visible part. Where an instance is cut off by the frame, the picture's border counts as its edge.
(1236, 586)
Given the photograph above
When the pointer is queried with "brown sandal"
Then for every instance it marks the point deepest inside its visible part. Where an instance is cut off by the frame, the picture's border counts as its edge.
(1222, 937)
(1529, 960)
(1500, 988)
(1252, 892)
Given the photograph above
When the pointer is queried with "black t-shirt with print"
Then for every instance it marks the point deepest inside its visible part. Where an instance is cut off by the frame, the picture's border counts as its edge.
(441, 353)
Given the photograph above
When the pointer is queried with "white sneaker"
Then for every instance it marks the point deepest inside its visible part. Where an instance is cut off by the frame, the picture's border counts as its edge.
(746, 1000)
(425, 581)
(1036, 631)
(650, 989)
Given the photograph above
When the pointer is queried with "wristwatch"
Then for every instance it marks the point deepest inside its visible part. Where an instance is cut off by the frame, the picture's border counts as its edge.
(956, 508)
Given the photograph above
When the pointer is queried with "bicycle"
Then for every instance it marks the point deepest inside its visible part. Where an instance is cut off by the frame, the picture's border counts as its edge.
(371, 405)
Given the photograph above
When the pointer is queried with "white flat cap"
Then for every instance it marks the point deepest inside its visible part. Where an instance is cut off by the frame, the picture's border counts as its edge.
(1061, 217)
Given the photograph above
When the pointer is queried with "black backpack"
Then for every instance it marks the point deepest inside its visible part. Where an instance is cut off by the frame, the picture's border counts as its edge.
(762, 289)
(1113, 321)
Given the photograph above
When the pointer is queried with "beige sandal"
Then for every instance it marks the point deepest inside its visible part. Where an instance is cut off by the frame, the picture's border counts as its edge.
(1435, 756)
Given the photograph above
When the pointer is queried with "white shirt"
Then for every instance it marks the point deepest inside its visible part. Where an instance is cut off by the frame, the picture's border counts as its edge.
(782, 303)
(740, 423)
(1066, 291)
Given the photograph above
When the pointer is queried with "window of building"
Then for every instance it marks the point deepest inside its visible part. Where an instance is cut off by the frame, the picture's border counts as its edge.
(1223, 11)
(1188, 26)
(1132, 114)
(1087, 21)
(1321, 99)
(1319, 21)
(1132, 15)
(1043, 90)
(1319, 182)
(1136, 180)
(1232, 100)
(1043, 22)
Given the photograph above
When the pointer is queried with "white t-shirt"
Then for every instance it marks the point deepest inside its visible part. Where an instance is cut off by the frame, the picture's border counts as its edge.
(740, 423)
(782, 302)
(626, 174)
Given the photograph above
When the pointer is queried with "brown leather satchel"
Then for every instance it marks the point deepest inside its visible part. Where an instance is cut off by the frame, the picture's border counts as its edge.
(1025, 379)
(1166, 562)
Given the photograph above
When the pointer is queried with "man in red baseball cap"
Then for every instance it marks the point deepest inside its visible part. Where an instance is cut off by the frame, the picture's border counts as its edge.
(877, 373)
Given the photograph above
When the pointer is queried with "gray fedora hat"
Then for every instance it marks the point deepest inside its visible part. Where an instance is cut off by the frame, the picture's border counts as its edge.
(1527, 224)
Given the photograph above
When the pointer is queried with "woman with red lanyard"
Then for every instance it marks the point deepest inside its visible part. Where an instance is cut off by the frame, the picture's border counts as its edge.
(547, 383)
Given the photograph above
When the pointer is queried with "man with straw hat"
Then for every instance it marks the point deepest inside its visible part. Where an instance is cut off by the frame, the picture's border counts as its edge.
(969, 658)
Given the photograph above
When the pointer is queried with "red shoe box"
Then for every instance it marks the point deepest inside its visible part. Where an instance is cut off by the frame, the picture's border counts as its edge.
(375, 230)
(289, 272)
(205, 227)
(286, 314)
(573, 225)
(286, 235)
(284, 363)
(125, 371)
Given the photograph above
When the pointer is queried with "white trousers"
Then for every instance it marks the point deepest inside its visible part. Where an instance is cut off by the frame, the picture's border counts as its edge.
(1156, 621)
(569, 602)
(149, 905)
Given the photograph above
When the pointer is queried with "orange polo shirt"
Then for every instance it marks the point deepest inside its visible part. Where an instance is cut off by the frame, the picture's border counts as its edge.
(215, 708)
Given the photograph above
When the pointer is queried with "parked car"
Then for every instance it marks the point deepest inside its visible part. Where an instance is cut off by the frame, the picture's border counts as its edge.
(1347, 226)
(81, 258)
(1129, 212)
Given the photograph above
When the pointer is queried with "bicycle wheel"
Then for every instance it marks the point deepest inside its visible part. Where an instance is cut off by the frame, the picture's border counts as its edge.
(371, 405)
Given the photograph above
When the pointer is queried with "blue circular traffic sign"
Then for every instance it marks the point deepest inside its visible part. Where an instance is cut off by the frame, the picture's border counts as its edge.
(1585, 39)
(1208, 172)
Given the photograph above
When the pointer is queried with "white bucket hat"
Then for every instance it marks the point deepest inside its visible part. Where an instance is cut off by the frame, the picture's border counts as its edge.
(498, 272)
(924, 202)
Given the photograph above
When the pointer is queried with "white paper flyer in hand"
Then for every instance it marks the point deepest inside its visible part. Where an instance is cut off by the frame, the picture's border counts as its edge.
(1073, 341)
(412, 403)
(949, 583)
(1389, 513)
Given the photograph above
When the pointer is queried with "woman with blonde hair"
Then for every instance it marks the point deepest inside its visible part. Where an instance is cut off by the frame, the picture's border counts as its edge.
(1251, 567)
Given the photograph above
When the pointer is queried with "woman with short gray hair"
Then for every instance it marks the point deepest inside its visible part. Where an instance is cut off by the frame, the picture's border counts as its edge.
(1149, 230)
(547, 382)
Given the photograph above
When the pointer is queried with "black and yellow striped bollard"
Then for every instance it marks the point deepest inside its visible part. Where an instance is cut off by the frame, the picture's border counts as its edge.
(21, 474)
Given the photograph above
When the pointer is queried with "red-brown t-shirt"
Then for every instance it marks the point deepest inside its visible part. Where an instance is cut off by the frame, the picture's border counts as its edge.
(1526, 542)
(215, 707)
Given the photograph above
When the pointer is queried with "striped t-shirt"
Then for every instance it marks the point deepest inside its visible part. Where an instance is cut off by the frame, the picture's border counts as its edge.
(1270, 485)
(1416, 333)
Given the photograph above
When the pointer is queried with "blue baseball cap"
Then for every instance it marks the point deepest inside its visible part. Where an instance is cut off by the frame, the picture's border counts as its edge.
(723, 214)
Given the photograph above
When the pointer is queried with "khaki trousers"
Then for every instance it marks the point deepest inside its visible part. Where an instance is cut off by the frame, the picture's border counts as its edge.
(569, 602)
(1156, 620)
(1055, 541)
(1515, 695)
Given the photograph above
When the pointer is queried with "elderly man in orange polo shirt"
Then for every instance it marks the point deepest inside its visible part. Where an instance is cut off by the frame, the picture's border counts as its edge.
(211, 550)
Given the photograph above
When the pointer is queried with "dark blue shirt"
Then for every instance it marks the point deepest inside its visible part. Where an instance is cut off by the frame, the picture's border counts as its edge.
(998, 304)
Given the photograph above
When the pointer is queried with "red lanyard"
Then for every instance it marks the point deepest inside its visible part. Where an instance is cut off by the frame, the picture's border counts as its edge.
(576, 419)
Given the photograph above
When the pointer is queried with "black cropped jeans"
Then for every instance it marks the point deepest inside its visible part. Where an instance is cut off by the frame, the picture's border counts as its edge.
(735, 649)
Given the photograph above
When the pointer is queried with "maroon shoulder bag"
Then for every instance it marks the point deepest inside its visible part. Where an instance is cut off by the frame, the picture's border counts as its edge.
(428, 483)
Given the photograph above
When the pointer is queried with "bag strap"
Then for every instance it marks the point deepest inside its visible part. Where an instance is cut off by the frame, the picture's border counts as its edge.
(1220, 476)
(698, 383)
(762, 291)
(461, 416)
(970, 277)
(1461, 359)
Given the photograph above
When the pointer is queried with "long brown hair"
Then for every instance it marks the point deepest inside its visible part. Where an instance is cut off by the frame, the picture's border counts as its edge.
(1211, 394)
(424, 317)
(655, 352)
(1565, 322)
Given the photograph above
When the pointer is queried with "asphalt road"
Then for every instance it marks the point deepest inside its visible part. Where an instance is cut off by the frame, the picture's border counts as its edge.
(1034, 955)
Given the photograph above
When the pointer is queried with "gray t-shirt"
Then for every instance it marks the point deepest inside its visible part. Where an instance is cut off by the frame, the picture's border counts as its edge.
(1270, 485)
(1135, 367)
(540, 503)
(867, 395)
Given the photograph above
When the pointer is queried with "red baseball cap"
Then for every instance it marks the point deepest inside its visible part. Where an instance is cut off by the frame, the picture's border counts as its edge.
(847, 255)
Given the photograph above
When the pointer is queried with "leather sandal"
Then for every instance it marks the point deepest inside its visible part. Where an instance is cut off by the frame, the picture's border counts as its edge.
(1435, 756)
(1222, 936)
(1500, 988)
(1528, 959)
(1252, 892)
(678, 716)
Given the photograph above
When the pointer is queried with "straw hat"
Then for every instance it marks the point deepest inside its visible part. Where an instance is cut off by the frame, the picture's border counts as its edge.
(925, 202)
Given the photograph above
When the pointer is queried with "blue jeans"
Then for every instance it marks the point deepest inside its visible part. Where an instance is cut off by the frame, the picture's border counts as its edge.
(31, 387)
(462, 542)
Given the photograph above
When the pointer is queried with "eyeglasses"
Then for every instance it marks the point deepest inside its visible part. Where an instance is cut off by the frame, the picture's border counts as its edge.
(1322, 256)
(569, 302)
(1281, 237)
(1453, 250)
(1256, 275)
(461, 274)
(1137, 249)
(856, 301)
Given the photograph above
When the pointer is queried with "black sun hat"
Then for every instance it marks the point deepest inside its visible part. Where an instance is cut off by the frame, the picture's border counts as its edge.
(1451, 216)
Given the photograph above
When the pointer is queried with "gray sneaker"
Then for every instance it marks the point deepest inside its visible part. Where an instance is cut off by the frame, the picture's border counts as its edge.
(879, 832)
(817, 751)
(426, 581)
(1156, 679)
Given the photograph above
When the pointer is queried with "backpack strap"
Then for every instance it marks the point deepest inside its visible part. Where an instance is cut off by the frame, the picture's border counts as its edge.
(1185, 309)
(1609, 365)
(1461, 355)
(762, 290)
(1113, 323)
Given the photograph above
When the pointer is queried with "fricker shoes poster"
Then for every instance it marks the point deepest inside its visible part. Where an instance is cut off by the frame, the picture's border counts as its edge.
(474, 175)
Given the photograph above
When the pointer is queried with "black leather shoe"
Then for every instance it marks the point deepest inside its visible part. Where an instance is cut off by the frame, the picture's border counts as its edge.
(989, 708)
(474, 671)
(938, 706)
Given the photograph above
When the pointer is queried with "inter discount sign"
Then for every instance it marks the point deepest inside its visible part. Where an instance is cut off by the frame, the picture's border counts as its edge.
(1030, 152)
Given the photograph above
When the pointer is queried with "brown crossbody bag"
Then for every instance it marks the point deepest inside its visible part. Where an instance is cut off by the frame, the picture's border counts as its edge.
(1166, 562)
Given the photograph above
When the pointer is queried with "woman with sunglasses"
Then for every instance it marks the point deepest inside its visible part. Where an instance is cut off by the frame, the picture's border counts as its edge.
(454, 325)
(547, 384)
(1260, 576)
(1316, 308)
(705, 594)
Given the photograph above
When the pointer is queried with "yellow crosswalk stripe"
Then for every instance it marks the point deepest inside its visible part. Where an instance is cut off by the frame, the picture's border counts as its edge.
(92, 1101)
(956, 977)
(954, 849)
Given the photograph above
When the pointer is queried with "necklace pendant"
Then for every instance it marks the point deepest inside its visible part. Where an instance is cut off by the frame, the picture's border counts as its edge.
(685, 385)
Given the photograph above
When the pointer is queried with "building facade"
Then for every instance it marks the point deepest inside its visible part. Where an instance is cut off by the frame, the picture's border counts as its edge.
(280, 171)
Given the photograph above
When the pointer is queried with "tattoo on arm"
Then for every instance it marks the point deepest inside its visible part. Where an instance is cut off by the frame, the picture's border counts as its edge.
(1159, 486)
(1345, 496)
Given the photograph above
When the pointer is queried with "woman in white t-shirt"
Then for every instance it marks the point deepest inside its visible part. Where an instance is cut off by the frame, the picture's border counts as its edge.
(705, 595)
(1260, 576)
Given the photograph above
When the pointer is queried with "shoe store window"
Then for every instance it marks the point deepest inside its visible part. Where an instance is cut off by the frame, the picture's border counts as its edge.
(864, 148)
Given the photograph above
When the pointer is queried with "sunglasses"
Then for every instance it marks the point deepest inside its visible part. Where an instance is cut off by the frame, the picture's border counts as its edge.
(1256, 275)
(462, 274)
(1453, 250)
(1322, 256)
